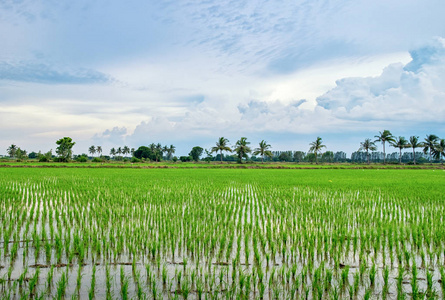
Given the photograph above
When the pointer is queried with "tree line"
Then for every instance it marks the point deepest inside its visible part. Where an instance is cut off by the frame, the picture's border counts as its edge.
(432, 148)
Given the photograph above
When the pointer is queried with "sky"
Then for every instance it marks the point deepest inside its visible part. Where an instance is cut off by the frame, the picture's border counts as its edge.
(115, 73)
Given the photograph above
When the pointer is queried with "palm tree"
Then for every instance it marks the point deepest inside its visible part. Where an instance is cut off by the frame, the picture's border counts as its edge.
(99, 150)
(92, 150)
(12, 150)
(384, 137)
(400, 143)
(366, 146)
(126, 150)
(414, 143)
(132, 151)
(119, 152)
(439, 150)
(430, 144)
(316, 147)
(221, 145)
(242, 148)
(113, 152)
(159, 152)
(170, 152)
(263, 150)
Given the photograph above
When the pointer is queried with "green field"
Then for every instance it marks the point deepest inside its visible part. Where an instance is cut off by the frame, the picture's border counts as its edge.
(222, 233)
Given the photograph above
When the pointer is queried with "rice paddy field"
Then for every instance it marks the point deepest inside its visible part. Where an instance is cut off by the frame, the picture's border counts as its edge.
(221, 234)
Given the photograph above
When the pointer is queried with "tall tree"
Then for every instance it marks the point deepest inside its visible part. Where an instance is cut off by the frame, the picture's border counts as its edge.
(400, 143)
(126, 150)
(263, 150)
(12, 150)
(99, 150)
(242, 149)
(64, 150)
(429, 144)
(439, 150)
(222, 145)
(196, 153)
(366, 146)
(92, 150)
(113, 152)
(171, 150)
(384, 137)
(414, 143)
(316, 147)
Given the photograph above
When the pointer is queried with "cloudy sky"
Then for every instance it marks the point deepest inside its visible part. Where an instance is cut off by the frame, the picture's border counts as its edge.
(115, 73)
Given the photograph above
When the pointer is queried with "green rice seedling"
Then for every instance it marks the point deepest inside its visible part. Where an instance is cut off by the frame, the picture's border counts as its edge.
(442, 278)
(372, 274)
(328, 280)
(367, 294)
(344, 276)
(430, 291)
(61, 286)
(414, 285)
(124, 288)
(92, 291)
(33, 282)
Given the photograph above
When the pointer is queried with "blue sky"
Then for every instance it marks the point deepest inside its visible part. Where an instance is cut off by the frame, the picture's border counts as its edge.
(115, 73)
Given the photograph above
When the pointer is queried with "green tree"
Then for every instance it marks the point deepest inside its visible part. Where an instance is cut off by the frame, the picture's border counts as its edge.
(170, 151)
(366, 146)
(126, 150)
(92, 150)
(263, 150)
(316, 147)
(65, 148)
(400, 143)
(12, 150)
(242, 149)
(222, 145)
(113, 152)
(384, 137)
(429, 144)
(439, 150)
(414, 143)
(196, 153)
(299, 156)
(99, 150)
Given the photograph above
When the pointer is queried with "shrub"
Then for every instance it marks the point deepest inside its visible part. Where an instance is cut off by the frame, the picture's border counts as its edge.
(98, 160)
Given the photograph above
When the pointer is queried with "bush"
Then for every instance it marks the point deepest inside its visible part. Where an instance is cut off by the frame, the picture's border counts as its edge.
(97, 160)
(175, 159)
(60, 159)
(135, 160)
(82, 158)
(43, 159)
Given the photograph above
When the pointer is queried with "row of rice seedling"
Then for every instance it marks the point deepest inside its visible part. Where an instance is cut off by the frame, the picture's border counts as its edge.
(196, 234)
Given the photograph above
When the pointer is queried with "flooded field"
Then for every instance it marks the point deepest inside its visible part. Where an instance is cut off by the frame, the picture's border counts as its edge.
(222, 234)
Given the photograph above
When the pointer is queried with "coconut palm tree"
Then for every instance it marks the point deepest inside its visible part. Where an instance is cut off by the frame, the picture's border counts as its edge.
(170, 151)
(414, 143)
(12, 150)
(439, 150)
(92, 150)
(400, 143)
(113, 152)
(221, 145)
(316, 147)
(242, 149)
(125, 150)
(384, 137)
(99, 150)
(263, 150)
(366, 146)
(429, 144)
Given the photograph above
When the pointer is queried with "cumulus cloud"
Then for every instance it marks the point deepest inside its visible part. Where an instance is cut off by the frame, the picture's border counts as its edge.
(414, 92)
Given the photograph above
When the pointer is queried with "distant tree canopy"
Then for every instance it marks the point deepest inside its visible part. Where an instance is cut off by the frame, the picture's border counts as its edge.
(196, 153)
(145, 152)
(64, 150)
